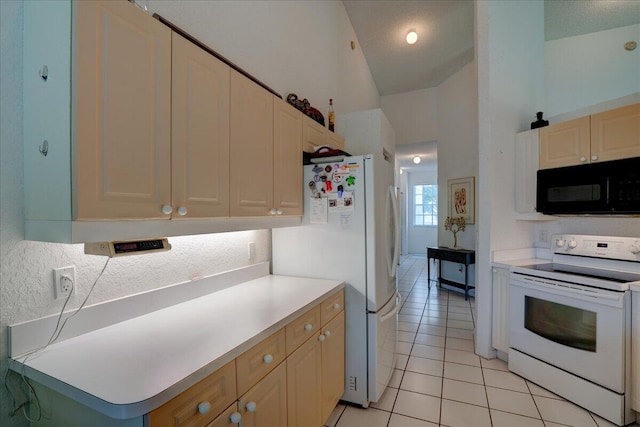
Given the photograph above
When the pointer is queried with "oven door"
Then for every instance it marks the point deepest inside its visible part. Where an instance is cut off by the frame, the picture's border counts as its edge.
(578, 329)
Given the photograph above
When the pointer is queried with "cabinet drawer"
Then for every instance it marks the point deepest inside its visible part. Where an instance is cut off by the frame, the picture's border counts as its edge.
(331, 306)
(218, 390)
(255, 363)
(302, 328)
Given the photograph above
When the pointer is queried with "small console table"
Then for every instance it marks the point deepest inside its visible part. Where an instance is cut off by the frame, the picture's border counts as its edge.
(461, 256)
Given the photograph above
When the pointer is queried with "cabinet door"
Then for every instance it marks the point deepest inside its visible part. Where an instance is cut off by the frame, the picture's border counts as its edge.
(122, 112)
(199, 133)
(287, 158)
(313, 135)
(304, 382)
(335, 140)
(225, 419)
(265, 405)
(565, 144)
(526, 167)
(615, 134)
(251, 150)
(500, 320)
(332, 365)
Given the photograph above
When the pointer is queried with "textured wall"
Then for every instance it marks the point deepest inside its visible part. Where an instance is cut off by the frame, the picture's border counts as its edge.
(26, 287)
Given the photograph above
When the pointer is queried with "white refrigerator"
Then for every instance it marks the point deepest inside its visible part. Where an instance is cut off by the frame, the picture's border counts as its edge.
(350, 232)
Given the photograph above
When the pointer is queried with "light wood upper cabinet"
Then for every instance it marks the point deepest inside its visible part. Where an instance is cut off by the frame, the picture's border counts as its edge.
(251, 152)
(199, 133)
(332, 364)
(610, 135)
(615, 134)
(287, 158)
(565, 143)
(122, 76)
(316, 135)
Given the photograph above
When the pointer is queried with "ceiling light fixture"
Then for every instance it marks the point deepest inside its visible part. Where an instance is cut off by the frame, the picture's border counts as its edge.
(412, 37)
(417, 160)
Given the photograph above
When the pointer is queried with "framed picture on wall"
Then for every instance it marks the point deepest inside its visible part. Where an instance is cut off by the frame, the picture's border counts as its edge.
(462, 198)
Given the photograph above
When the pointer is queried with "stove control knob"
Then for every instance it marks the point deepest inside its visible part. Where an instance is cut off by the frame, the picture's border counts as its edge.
(560, 243)
(573, 244)
(635, 248)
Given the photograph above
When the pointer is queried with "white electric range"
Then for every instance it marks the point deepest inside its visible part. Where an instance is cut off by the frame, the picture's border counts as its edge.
(570, 322)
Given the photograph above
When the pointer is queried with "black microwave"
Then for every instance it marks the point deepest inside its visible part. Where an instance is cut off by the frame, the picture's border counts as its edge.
(604, 188)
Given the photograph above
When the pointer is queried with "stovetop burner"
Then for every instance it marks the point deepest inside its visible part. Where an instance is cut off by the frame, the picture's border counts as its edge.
(610, 275)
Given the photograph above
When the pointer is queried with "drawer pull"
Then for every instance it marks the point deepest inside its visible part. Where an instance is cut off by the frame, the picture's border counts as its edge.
(336, 306)
(204, 407)
(235, 418)
(251, 406)
(327, 334)
(308, 327)
(321, 338)
(267, 358)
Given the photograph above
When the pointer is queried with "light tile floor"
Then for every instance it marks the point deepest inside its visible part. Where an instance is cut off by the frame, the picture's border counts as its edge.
(439, 381)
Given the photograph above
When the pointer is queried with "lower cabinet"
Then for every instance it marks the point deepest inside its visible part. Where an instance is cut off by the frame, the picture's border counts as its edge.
(294, 377)
(266, 403)
(500, 315)
(304, 384)
(332, 365)
(201, 403)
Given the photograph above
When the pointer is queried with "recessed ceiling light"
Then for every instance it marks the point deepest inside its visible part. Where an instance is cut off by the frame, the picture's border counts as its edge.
(417, 159)
(412, 37)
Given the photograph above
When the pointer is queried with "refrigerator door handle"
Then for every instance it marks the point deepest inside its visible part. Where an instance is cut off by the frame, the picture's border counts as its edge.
(394, 310)
(392, 207)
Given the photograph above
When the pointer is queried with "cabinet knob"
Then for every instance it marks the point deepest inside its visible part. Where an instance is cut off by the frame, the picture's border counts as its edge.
(251, 406)
(279, 212)
(182, 211)
(167, 209)
(327, 334)
(594, 158)
(583, 159)
(235, 418)
(336, 306)
(272, 211)
(204, 407)
(321, 338)
(267, 358)
(308, 327)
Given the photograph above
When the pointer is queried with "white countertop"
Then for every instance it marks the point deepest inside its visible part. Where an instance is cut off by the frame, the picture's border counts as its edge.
(130, 368)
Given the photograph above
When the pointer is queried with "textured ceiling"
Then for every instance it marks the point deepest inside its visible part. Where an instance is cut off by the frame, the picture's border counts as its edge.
(444, 46)
(446, 39)
(567, 18)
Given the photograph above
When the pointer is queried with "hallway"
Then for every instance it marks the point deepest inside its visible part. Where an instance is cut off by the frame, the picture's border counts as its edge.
(439, 381)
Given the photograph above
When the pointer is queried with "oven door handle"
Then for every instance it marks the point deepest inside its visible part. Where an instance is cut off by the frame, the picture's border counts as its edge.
(558, 288)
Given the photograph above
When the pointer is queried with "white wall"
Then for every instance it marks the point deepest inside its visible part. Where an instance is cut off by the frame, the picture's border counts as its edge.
(448, 115)
(510, 58)
(300, 47)
(599, 69)
(414, 115)
(292, 46)
(419, 237)
(457, 146)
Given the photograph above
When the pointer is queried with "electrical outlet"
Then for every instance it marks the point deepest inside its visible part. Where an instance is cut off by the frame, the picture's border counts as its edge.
(251, 251)
(543, 236)
(64, 281)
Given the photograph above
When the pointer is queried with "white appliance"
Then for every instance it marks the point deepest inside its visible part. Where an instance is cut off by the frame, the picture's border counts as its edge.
(570, 322)
(350, 232)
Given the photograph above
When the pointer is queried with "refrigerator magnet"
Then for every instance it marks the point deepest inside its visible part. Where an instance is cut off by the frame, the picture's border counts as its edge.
(351, 180)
